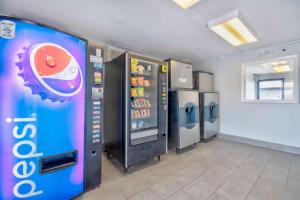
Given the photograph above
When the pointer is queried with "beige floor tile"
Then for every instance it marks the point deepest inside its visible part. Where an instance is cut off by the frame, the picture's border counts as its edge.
(293, 188)
(220, 172)
(275, 173)
(235, 188)
(250, 197)
(202, 188)
(295, 171)
(169, 168)
(180, 195)
(178, 164)
(247, 172)
(282, 154)
(216, 196)
(116, 182)
(267, 189)
(234, 160)
(193, 171)
(257, 160)
(216, 170)
(212, 161)
(145, 195)
(104, 193)
(170, 185)
(296, 161)
(135, 185)
(290, 197)
(111, 173)
(281, 160)
(259, 156)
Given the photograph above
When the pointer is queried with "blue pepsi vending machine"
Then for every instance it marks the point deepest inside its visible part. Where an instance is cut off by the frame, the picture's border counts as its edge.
(42, 109)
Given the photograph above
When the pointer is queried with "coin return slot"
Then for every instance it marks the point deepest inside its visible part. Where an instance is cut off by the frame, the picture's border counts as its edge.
(58, 162)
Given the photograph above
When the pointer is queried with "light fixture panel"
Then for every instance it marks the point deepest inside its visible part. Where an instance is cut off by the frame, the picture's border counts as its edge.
(282, 68)
(232, 29)
(186, 3)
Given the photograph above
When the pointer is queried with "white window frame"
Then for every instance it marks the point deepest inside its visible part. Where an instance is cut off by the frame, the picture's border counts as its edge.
(295, 78)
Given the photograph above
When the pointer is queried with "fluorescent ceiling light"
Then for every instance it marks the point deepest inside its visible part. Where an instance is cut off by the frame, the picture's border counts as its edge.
(186, 3)
(282, 68)
(232, 29)
(279, 63)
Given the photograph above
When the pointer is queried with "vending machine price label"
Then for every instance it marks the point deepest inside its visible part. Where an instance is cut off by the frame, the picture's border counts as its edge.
(98, 52)
(98, 65)
(96, 103)
(95, 59)
(97, 93)
(96, 140)
(98, 78)
(96, 136)
(164, 68)
(7, 29)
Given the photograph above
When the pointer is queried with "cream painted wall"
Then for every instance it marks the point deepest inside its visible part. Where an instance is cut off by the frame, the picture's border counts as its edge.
(270, 122)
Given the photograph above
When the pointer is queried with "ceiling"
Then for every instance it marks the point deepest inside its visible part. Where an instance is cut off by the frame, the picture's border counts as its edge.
(160, 28)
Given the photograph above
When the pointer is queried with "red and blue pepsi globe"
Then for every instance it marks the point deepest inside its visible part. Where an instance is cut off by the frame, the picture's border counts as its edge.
(50, 71)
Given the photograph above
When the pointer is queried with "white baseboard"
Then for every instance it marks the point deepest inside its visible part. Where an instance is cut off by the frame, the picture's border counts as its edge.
(259, 143)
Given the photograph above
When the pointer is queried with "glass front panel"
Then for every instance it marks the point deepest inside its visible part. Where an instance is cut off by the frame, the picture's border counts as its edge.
(143, 95)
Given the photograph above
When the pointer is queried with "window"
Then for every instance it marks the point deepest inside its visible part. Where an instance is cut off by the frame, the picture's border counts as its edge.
(270, 89)
(273, 80)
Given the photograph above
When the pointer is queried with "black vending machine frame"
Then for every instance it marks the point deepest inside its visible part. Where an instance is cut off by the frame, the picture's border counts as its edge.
(117, 113)
(93, 150)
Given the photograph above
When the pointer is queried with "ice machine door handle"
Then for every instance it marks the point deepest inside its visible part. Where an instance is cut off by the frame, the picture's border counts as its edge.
(54, 163)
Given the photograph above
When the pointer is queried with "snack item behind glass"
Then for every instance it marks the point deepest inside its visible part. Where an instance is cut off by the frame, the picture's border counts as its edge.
(134, 68)
(134, 81)
(146, 83)
(149, 68)
(142, 102)
(141, 69)
(148, 103)
(140, 92)
(134, 92)
(140, 81)
(133, 125)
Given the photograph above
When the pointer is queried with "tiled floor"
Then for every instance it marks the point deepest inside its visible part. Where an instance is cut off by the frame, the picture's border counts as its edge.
(218, 170)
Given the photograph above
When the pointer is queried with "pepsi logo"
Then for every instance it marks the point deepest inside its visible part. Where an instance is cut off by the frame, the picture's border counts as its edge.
(56, 69)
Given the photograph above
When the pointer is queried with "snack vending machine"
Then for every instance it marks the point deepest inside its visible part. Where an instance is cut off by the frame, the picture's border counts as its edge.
(42, 108)
(136, 112)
